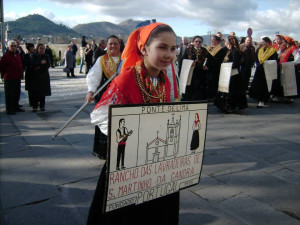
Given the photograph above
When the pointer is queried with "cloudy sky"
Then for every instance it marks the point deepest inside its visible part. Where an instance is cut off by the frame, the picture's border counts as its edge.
(187, 17)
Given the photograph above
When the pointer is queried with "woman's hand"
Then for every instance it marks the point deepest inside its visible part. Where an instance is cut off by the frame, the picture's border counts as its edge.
(89, 96)
(43, 61)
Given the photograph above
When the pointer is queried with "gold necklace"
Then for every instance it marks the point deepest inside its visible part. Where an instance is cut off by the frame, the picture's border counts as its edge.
(146, 96)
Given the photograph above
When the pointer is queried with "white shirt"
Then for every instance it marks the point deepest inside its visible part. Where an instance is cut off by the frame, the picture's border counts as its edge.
(94, 75)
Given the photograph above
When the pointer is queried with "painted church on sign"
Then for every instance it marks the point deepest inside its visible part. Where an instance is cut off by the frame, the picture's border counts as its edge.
(162, 149)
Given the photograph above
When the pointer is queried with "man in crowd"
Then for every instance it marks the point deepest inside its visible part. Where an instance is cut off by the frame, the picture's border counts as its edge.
(12, 68)
(74, 48)
(88, 58)
(182, 48)
(49, 53)
(82, 53)
(222, 42)
(248, 59)
(93, 45)
(99, 51)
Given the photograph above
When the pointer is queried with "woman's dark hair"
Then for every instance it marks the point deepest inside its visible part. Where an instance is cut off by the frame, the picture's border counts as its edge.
(38, 45)
(234, 42)
(243, 39)
(29, 45)
(218, 39)
(280, 36)
(113, 36)
(266, 39)
(197, 36)
(122, 45)
(157, 31)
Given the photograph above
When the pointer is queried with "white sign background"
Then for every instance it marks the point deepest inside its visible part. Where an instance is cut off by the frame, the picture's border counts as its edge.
(157, 163)
(225, 74)
(186, 74)
(288, 79)
(270, 67)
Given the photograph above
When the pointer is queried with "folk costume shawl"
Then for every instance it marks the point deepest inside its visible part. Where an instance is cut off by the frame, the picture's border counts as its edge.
(263, 54)
(132, 57)
(108, 65)
(284, 56)
(214, 50)
(197, 121)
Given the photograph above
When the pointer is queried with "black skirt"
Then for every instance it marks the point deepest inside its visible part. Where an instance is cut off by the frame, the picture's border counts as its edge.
(259, 88)
(100, 144)
(235, 99)
(195, 140)
(161, 211)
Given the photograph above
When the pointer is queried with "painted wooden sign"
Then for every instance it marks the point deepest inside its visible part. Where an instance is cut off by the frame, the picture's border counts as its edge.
(154, 150)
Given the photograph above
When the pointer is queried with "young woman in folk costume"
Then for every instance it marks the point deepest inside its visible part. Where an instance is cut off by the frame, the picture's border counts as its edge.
(218, 53)
(289, 52)
(148, 53)
(278, 41)
(236, 98)
(259, 88)
(105, 66)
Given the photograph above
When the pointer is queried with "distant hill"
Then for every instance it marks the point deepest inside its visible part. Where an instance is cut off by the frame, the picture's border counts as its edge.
(37, 25)
(129, 24)
(105, 29)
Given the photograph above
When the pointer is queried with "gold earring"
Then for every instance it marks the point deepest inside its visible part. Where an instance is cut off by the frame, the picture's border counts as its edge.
(145, 60)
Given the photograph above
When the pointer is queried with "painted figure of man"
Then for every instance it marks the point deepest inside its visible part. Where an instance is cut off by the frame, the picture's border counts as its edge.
(122, 135)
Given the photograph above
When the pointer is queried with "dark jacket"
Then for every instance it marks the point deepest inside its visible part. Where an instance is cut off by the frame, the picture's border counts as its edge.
(235, 58)
(74, 49)
(28, 70)
(89, 56)
(248, 54)
(97, 53)
(40, 82)
(70, 60)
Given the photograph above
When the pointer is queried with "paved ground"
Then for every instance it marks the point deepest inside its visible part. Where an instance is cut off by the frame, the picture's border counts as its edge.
(251, 170)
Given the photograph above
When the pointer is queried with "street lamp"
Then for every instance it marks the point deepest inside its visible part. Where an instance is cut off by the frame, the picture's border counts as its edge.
(2, 27)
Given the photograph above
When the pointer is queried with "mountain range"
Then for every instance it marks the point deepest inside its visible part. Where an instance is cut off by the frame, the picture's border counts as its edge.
(37, 27)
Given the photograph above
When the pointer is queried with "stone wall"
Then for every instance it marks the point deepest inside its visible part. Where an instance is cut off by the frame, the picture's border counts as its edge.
(59, 48)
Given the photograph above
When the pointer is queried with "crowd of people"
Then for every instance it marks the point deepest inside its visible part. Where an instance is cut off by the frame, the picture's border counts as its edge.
(245, 58)
(242, 53)
(35, 63)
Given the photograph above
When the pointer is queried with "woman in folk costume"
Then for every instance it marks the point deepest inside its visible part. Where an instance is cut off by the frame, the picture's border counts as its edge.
(289, 52)
(197, 90)
(218, 53)
(148, 53)
(278, 41)
(236, 98)
(105, 66)
(259, 88)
